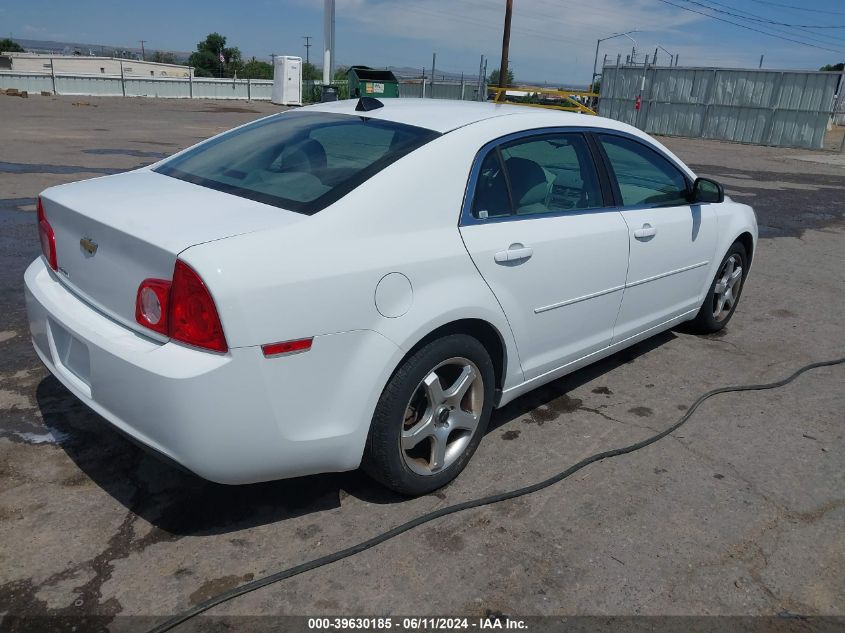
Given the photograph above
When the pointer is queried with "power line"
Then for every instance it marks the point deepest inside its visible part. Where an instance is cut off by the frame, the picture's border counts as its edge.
(767, 21)
(751, 28)
(803, 30)
(790, 6)
(477, 23)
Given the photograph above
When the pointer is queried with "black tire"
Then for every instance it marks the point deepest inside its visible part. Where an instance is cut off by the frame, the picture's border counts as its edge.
(385, 460)
(707, 321)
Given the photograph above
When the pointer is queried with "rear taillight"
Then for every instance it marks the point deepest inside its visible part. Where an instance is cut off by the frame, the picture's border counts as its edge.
(152, 303)
(48, 238)
(182, 309)
(193, 315)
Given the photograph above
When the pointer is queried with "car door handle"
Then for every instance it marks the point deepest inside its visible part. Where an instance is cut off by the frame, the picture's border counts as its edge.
(646, 231)
(515, 252)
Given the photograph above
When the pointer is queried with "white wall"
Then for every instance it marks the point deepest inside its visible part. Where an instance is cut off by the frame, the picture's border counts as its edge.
(76, 64)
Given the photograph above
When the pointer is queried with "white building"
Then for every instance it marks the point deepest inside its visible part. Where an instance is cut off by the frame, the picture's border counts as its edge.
(82, 65)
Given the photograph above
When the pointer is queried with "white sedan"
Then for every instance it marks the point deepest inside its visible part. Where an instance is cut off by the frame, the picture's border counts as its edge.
(360, 283)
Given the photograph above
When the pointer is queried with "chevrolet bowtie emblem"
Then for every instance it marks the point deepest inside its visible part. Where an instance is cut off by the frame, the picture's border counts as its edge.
(88, 245)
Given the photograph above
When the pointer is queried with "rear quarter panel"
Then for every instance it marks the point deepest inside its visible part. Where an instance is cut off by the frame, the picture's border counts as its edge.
(320, 276)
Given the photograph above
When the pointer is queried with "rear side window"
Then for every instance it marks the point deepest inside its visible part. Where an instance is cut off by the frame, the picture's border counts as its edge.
(545, 174)
(491, 194)
(300, 161)
(645, 177)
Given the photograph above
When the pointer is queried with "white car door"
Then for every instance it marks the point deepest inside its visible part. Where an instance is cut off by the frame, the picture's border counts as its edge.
(537, 225)
(671, 241)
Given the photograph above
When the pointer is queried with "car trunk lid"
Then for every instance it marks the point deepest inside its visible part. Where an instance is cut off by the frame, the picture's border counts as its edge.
(116, 231)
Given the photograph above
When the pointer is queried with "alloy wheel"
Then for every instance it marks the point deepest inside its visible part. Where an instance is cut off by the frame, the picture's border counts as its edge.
(726, 290)
(442, 416)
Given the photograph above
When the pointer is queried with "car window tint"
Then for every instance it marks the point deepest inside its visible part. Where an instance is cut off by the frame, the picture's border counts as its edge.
(300, 161)
(491, 193)
(353, 146)
(552, 174)
(645, 177)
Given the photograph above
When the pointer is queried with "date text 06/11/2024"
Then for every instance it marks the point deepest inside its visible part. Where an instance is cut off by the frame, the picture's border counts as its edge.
(416, 624)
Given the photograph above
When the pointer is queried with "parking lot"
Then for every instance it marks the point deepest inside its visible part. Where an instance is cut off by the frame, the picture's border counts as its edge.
(740, 512)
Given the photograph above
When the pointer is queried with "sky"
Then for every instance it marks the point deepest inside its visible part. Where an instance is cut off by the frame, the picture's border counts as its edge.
(551, 40)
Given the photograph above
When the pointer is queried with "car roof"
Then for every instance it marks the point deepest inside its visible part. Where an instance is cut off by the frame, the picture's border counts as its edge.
(442, 115)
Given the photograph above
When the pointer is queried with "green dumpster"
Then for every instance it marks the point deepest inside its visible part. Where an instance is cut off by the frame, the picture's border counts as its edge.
(369, 82)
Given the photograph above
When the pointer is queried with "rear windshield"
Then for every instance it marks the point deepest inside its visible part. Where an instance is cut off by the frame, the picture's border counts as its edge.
(301, 161)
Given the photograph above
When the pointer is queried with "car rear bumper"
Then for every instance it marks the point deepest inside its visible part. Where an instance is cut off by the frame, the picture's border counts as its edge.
(231, 418)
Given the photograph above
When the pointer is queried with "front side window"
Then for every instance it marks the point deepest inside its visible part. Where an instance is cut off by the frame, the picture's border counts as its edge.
(645, 177)
(300, 161)
(551, 173)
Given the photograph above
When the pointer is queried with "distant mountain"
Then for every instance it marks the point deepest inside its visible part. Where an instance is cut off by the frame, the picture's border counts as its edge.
(411, 72)
(406, 72)
(103, 50)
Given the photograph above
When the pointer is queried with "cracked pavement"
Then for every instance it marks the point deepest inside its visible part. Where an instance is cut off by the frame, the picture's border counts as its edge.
(740, 512)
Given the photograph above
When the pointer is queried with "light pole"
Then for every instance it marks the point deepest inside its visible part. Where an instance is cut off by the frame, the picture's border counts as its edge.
(328, 42)
(598, 43)
(671, 56)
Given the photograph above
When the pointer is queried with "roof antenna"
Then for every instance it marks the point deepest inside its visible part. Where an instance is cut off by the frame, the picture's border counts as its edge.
(365, 104)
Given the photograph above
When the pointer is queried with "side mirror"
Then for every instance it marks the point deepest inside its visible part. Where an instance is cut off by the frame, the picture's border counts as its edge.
(706, 190)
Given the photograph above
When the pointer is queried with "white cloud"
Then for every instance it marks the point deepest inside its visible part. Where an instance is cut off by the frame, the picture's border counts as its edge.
(40, 32)
(555, 37)
(478, 23)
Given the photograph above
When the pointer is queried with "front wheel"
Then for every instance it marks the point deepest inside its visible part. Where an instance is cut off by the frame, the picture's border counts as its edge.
(431, 416)
(723, 296)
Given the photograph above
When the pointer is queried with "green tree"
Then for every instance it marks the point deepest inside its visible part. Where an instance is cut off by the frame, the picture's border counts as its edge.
(494, 77)
(163, 57)
(310, 72)
(8, 45)
(340, 73)
(254, 69)
(206, 59)
(834, 67)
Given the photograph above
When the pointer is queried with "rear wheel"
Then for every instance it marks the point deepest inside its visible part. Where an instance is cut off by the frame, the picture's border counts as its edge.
(431, 416)
(723, 295)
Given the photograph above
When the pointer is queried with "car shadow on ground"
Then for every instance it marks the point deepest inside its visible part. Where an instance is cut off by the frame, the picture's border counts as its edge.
(182, 503)
(557, 391)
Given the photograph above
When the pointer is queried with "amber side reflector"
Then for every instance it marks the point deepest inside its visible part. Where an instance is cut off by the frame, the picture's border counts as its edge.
(286, 347)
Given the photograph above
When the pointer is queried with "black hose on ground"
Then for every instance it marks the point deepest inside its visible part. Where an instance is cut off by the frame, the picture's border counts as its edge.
(473, 503)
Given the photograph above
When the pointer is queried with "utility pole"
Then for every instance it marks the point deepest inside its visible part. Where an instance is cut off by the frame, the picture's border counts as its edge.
(480, 79)
(433, 65)
(506, 42)
(143, 52)
(308, 45)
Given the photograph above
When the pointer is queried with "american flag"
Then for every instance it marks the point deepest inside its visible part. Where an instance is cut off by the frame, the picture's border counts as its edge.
(222, 59)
